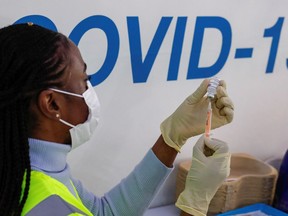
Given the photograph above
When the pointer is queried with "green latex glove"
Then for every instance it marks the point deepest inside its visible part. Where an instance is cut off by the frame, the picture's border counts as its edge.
(189, 118)
(205, 176)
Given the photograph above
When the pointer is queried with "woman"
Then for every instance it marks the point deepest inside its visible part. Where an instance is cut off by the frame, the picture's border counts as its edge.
(48, 106)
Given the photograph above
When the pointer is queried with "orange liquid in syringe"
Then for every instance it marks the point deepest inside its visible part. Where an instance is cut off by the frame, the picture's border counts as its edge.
(208, 121)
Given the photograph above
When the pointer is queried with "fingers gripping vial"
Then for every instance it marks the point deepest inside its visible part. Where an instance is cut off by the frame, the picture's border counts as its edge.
(188, 119)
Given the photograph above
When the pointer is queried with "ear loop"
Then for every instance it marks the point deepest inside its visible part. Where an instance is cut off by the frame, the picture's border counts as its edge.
(68, 93)
(64, 122)
(65, 92)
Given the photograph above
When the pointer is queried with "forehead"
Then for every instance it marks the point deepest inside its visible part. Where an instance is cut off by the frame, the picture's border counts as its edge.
(76, 69)
(75, 52)
(76, 61)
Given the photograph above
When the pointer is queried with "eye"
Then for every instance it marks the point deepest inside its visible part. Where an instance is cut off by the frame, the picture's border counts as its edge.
(88, 78)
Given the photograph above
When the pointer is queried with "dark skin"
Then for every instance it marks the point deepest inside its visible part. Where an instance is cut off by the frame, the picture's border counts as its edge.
(72, 109)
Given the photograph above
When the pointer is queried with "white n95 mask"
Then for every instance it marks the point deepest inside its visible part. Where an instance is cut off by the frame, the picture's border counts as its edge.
(81, 133)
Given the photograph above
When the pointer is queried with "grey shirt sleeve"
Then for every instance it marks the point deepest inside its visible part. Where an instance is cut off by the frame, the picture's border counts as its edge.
(133, 194)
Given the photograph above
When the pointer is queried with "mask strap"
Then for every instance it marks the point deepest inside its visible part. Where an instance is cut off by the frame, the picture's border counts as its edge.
(68, 93)
(66, 123)
(65, 92)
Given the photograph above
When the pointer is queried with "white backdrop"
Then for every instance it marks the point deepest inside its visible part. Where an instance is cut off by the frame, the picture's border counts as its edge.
(132, 112)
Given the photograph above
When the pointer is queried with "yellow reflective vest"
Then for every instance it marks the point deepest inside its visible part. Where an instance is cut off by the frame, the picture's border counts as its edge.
(47, 196)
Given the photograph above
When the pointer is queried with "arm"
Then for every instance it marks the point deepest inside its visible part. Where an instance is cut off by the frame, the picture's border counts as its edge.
(166, 155)
(164, 152)
(133, 195)
(116, 202)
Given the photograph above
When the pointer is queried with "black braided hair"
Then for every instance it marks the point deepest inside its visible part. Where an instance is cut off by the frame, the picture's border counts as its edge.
(32, 59)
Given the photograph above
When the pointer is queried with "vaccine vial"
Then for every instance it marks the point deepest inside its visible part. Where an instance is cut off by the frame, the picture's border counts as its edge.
(212, 86)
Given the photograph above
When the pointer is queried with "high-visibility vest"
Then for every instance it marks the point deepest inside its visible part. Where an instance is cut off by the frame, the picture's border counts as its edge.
(47, 196)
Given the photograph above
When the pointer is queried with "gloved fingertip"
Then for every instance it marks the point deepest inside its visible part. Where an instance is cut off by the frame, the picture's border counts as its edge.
(199, 146)
(207, 142)
(222, 83)
(207, 138)
(199, 93)
(217, 145)
(202, 138)
(228, 113)
(221, 92)
(204, 85)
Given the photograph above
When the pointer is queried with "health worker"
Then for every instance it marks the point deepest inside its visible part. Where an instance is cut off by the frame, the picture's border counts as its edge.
(48, 107)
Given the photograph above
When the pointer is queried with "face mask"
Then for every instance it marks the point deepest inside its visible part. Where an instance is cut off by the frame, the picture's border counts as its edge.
(81, 133)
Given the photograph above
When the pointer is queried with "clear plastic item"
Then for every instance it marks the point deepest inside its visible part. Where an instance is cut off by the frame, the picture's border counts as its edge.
(208, 120)
(211, 91)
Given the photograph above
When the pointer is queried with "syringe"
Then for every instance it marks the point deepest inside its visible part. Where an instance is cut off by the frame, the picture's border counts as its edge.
(208, 120)
(211, 90)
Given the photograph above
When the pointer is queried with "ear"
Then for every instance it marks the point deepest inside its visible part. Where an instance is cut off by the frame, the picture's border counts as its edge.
(49, 104)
